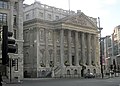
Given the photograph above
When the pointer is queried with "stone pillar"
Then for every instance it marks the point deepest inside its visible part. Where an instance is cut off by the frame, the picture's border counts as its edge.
(46, 49)
(76, 48)
(19, 35)
(83, 48)
(94, 49)
(11, 15)
(38, 51)
(55, 56)
(89, 49)
(62, 47)
(69, 47)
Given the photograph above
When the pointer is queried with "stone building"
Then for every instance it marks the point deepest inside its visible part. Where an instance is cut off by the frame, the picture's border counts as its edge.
(11, 14)
(59, 43)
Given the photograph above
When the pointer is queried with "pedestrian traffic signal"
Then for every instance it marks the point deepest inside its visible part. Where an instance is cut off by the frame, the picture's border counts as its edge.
(8, 45)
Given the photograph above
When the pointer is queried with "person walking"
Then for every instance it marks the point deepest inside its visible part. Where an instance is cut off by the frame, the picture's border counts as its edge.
(1, 79)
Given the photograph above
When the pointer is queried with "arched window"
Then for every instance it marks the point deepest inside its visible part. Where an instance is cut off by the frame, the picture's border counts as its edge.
(88, 70)
(75, 71)
(94, 71)
(68, 72)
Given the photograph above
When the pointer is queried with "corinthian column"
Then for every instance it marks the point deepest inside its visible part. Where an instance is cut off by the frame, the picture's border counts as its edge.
(89, 49)
(69, 47)
(62, 47)
(94, 49)
(83, 48)
(55, 56)
(76, 48)
(46, 49)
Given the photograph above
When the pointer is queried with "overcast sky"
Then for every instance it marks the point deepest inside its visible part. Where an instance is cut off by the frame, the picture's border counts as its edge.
(107, 10)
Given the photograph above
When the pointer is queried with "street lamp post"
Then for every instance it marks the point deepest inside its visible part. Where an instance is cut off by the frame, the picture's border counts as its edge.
(101, 59)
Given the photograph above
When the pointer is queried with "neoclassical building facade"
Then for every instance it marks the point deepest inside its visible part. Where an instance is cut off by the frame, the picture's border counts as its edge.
(65, 47)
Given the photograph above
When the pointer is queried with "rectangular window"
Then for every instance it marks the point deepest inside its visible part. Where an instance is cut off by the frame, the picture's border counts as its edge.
(42, 35)
(15, 6)
(50, 35)
(3, 19)
(4, 4)
(49, 16)
(58, 37)
(15, 21)
(0, 33)
(41, 14)
(15, 34)
(26, 35)
(57, 17)
(27, 16)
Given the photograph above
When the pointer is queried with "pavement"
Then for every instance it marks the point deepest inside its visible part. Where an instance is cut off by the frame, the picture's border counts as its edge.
(26, 81)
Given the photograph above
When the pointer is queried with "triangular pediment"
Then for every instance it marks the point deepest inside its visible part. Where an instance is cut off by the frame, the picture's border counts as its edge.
(81, 20)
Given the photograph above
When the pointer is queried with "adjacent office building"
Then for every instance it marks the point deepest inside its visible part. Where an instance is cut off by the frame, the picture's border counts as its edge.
(116, 47)
(11, 14)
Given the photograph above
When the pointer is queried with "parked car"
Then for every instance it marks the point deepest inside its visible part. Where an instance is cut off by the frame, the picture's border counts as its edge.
(89, 75)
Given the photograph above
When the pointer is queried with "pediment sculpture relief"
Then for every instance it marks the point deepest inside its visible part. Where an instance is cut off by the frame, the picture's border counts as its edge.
(81, 20)
(77, 20)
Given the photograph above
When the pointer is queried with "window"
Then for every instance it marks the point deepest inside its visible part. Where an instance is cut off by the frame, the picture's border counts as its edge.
(15, 22)
(57, 17)
(49, 16)
(42, 35)
(27, 16)
(68, 72)
(88, 71)
(27, 36)
(41, 14)
(4, 4)
(16, 49)
(58, 37)
(0, 33)
(50, 35)
(14, 34)
(3, 19)
(94, 71)
(15, 6)
(75, 72)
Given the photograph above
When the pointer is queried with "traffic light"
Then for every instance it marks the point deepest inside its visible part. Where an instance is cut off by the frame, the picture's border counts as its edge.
(8, 45)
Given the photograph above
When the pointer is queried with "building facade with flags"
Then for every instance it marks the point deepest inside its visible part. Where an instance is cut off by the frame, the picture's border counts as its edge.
(11, 15)
(59, 43)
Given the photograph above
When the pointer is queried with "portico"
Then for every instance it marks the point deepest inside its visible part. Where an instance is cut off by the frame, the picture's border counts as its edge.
(67, 47)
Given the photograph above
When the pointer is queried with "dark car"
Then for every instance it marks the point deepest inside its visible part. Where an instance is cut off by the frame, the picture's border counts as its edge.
(89, 75)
